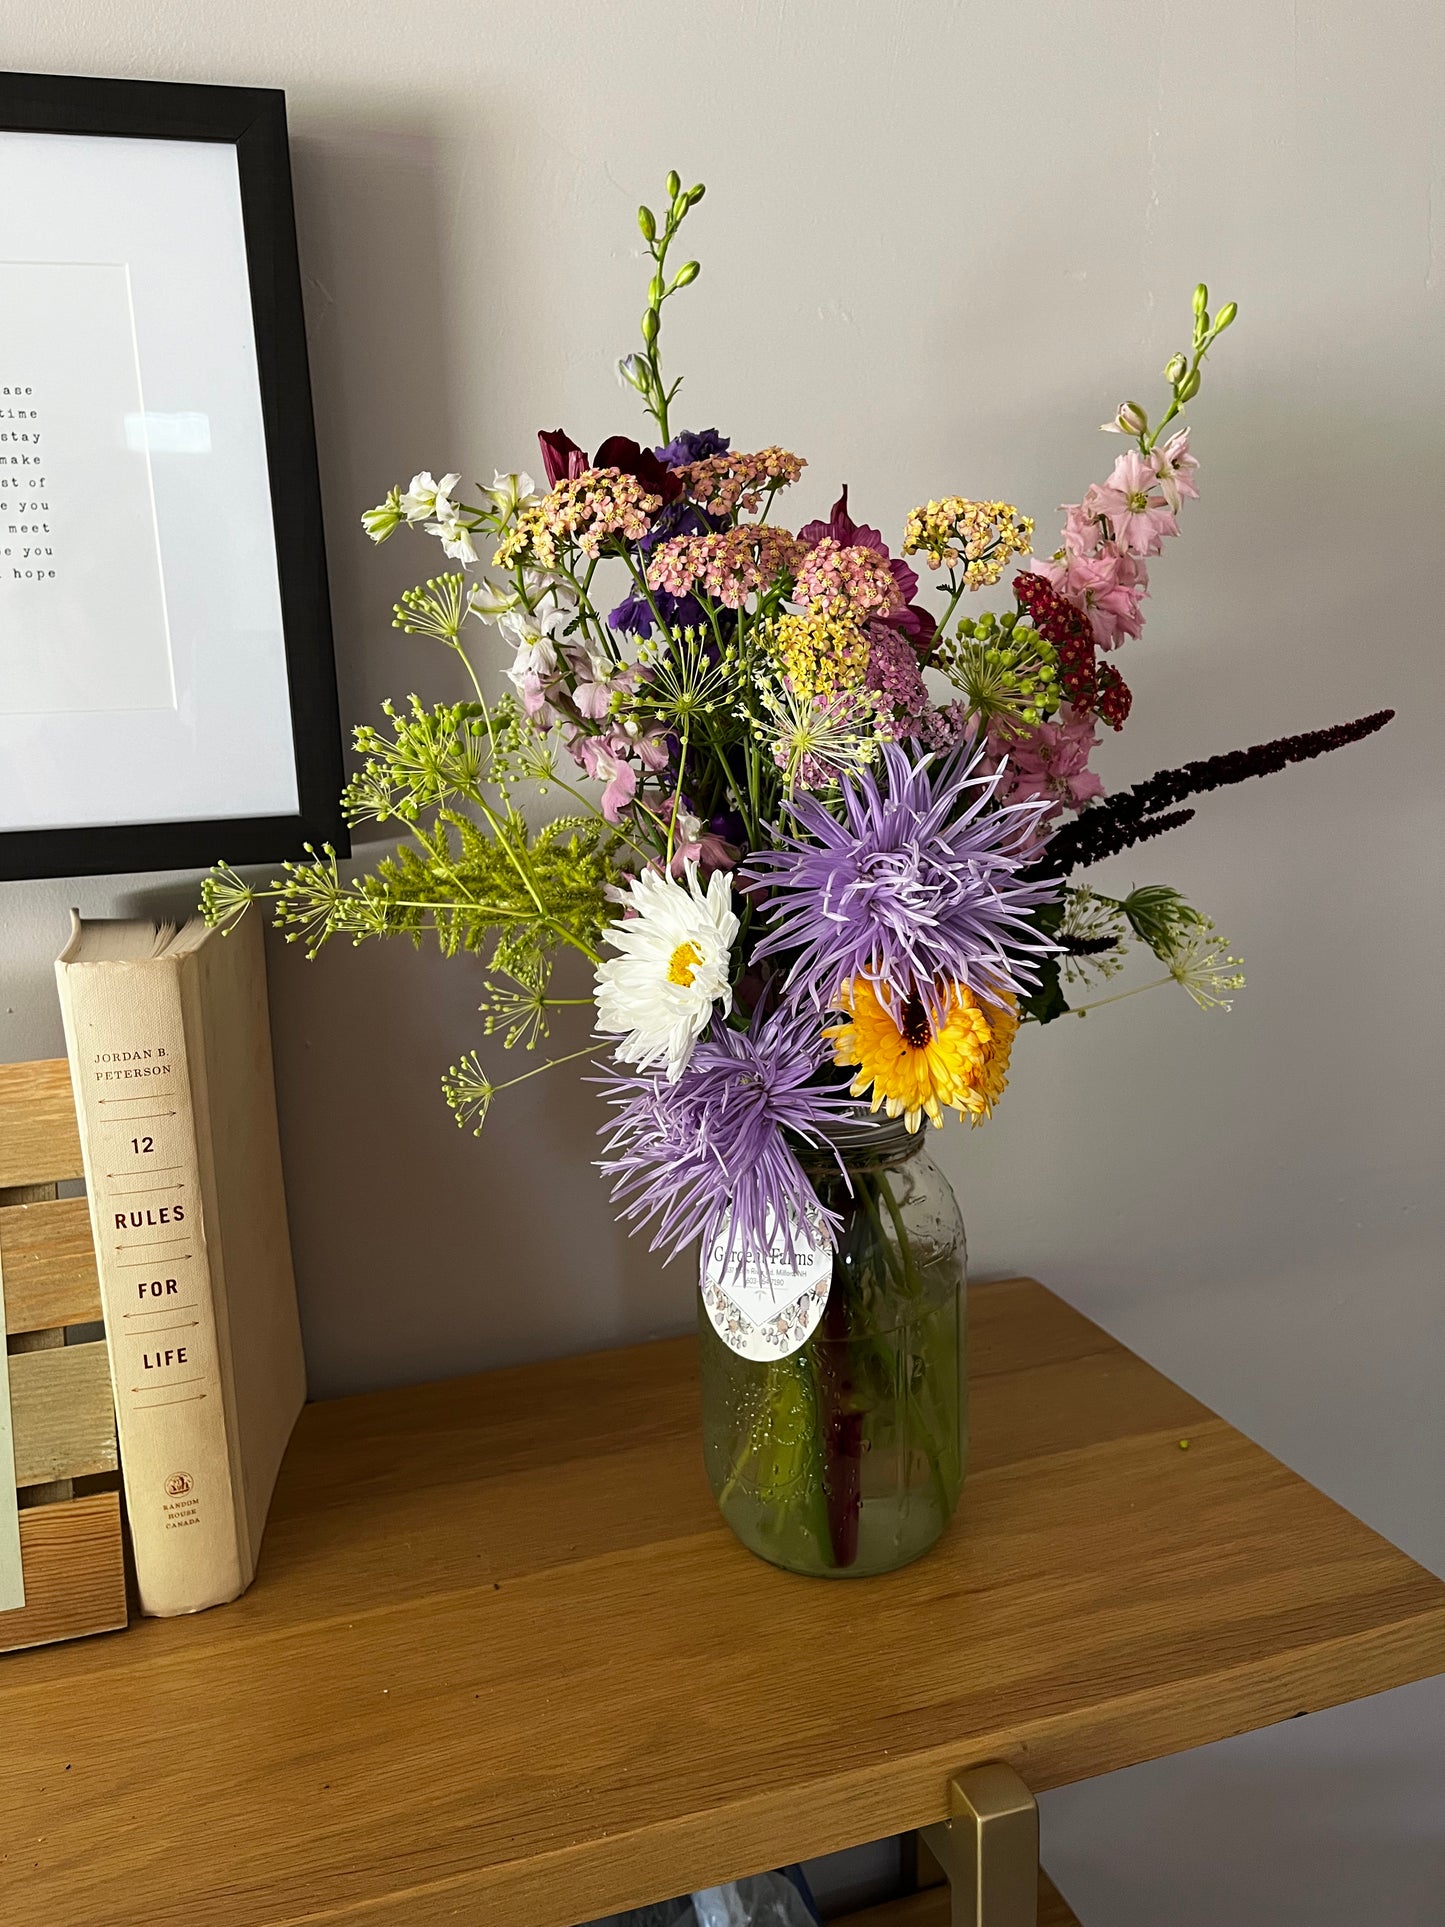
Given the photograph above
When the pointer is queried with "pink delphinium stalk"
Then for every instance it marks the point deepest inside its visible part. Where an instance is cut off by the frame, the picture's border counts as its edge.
(1106, 585)
(1101, 566)
(1175, 467)
(1139, 517)
(1049, 761)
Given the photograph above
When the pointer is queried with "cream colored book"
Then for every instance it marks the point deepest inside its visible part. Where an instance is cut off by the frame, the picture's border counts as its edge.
(170, 1057)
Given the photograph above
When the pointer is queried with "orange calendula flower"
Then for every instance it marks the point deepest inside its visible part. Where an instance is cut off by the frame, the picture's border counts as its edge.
(917, 1069)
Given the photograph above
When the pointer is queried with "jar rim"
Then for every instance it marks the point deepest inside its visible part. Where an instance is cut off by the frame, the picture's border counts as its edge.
(860, 1132)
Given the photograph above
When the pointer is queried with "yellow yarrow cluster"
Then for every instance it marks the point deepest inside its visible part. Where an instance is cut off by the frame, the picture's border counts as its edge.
(820, 654)
(981, 535)
(917, 1068)
(584, 510)
(527, 540)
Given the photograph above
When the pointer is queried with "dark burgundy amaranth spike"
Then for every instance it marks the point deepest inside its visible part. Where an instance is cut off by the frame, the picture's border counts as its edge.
(1134, 814)
(1109, 835)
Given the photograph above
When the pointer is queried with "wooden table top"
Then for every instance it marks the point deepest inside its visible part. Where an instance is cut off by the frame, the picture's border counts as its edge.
(504, 1665)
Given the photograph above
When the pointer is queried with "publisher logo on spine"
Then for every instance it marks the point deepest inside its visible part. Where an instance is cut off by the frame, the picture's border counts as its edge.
(177, 1484)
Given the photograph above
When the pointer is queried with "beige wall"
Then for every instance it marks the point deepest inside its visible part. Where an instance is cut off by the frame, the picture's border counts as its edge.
(941, 241)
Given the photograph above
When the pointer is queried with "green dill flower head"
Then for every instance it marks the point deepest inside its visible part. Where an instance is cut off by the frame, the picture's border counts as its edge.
(437, 607)
(469, 1093)
(431, 757)
(1186, 942)
(517, 1010)
(817, 740)
(683, 677)
(225, 898)
(1200, 961)
(1091, 933)
(1004, 670)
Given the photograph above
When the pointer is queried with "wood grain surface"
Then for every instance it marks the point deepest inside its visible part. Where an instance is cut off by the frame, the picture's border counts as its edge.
(36, 1491)
(74, 1585)
(503, 1665)
(39, 1138)
(72, 1554)
(62, 1412)
(47, 1255)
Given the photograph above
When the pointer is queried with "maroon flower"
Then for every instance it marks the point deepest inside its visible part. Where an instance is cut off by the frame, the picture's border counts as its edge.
(840, 526)
(918, 625)
(563, 460)
(618, 452)
(1058, 621)
(1113, 697)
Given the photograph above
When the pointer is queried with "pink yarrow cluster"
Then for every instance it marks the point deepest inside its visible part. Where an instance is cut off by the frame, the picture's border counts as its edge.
(902, 612)
(728, 567)
(723, 483)
(894, 675)
(589, 509)
(852, 580)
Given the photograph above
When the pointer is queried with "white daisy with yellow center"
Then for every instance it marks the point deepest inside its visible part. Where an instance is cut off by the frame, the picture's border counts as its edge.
(658, 993)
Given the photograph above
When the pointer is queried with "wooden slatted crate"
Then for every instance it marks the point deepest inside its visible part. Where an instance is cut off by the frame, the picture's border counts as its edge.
(62, 1413)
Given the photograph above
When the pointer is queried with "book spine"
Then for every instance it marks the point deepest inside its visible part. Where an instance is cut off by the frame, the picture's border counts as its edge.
(125, 1031)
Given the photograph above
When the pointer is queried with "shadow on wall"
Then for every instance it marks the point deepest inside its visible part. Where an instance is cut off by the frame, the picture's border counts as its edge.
(440, 1252)
(420, 1251)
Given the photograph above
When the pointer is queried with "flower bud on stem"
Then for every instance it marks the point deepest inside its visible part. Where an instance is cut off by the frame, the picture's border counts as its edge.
(1183, 373)
(644, 372)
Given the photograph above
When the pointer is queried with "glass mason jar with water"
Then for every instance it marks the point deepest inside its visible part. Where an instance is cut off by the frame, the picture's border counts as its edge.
(846, 1458)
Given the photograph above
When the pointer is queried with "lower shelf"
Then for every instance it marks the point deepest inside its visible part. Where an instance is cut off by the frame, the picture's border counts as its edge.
(930, 1908)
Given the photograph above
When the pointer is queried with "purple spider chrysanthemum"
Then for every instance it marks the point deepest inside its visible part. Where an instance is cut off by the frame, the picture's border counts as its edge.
(708, 1151)
(915, 890)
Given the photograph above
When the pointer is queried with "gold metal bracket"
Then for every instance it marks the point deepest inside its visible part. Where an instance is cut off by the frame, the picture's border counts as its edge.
(989, 1849)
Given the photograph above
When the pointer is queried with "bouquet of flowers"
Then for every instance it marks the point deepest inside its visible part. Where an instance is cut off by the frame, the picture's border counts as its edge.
(824, 819)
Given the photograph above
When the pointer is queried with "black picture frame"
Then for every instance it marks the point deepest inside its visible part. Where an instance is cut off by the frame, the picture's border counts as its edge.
(253, 121)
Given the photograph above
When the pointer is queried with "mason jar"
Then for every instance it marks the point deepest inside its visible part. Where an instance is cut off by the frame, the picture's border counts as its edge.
(846, 1457)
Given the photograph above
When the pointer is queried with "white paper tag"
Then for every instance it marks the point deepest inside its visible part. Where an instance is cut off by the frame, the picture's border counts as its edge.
(768, 1308)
